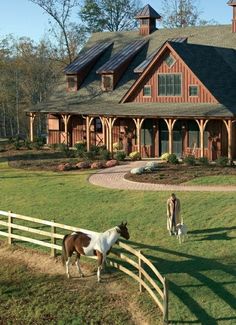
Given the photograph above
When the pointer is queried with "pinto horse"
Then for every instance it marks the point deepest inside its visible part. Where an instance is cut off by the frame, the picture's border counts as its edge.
(91, 244)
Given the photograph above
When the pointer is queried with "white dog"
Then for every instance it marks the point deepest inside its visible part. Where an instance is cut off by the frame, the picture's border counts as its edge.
(182, 231)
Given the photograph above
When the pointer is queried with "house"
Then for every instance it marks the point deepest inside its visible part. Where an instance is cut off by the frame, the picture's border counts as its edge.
(155, 91)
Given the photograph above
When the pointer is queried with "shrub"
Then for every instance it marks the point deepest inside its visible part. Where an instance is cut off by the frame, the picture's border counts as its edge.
(222, 161)
(189, 160)
(80, 149)
(152, 165)
(120, 155)
(95, 149)
(104, 154)
(165, 156)
(203, 161)
(16, 143)
(117, 146)
(172, 159)
(137, 171)
(89, 155)
(2, 148)
(135, 155)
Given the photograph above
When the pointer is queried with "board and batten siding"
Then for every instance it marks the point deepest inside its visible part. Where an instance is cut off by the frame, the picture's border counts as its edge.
(187, 79)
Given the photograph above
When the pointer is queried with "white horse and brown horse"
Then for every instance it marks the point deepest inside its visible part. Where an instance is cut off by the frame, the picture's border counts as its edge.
(91, 244)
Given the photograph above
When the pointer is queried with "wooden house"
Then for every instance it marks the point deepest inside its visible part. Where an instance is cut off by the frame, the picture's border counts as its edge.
(155, 91)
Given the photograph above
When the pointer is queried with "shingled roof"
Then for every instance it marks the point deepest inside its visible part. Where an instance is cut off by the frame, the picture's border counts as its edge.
(215, 44)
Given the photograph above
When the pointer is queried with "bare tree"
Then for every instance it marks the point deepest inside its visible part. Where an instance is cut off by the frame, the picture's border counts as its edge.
(180, 13)
(60, 12)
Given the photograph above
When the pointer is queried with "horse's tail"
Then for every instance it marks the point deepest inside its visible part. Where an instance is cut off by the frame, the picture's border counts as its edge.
(64, 252)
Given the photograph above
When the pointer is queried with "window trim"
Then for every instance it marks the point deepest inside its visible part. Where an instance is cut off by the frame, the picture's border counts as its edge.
(181, 86)
(197, 86)
(150, 87)
(75, 88)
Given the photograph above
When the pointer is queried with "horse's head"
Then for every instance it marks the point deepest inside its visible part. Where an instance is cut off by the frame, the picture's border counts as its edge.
(124, 230)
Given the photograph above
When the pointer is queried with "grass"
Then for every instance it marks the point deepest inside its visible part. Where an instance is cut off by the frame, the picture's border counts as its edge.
(201, 272)
(31, 298)
(214, 180)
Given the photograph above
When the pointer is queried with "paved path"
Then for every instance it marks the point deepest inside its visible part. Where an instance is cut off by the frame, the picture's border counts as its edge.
(114, 178)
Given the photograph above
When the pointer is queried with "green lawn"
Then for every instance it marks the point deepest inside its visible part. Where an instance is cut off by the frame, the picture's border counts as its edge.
(214, 180)
(201, 272)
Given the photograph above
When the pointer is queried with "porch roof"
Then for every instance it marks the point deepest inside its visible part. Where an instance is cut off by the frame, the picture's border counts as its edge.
(107, 108)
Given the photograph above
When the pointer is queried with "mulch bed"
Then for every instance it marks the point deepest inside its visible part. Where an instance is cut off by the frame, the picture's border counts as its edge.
(177, 174)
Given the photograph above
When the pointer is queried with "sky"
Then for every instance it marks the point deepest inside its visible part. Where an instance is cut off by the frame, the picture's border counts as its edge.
(23, 18)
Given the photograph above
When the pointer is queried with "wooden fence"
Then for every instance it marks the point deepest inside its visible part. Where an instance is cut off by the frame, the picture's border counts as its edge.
(155, 285)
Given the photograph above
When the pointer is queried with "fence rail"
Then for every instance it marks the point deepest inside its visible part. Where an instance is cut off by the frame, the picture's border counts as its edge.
(158, 292)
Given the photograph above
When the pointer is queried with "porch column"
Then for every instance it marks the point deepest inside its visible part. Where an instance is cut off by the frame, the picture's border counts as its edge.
(32, 117)
(138, 122)
(88, 125)
(104, 133)
(110, 122)
(170, 124)
(202, 124)
(228, 125)
(66, 120)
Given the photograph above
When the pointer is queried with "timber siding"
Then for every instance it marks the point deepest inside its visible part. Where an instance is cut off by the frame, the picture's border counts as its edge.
(187, 79)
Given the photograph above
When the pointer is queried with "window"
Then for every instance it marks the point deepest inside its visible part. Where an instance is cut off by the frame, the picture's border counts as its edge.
(71, 83)
(147, 91)
(145, 21)
(97, 125)
(107, 83)
(169, 60)
(193, 90)
(169, 85)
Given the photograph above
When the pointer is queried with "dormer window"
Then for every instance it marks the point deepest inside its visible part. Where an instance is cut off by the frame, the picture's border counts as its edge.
(169, 60)
(193, 90)
(71, 83)
(107, 82)
(147, 91)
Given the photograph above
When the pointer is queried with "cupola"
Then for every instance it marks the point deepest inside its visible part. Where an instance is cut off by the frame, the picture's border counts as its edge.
(233, 4)
(147, 17)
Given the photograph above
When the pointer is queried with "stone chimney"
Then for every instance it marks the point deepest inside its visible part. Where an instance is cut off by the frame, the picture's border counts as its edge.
(147, 17)
(233, 4)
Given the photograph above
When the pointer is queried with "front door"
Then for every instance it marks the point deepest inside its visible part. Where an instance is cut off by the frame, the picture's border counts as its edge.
(164, 138)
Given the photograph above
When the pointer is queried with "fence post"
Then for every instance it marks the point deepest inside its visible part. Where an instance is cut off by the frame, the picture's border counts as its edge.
(10, 230)
(140, 264)
(53, 240)
(165, 302)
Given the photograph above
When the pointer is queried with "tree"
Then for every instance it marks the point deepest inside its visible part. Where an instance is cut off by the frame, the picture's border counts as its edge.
(180, 13)
(60, 12)
(111, 15)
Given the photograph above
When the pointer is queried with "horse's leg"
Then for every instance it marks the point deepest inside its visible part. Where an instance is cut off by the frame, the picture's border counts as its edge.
(67, 267)
(100, 260)
(78, 265)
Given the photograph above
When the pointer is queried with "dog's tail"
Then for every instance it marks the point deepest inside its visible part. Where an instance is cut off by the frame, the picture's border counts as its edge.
(182, 220)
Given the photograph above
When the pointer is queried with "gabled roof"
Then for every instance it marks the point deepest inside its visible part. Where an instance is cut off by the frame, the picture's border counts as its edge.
(215, 67)
(91, 100)
(148, 12)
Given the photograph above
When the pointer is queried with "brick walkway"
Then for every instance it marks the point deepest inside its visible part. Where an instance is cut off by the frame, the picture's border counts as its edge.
(114, 178)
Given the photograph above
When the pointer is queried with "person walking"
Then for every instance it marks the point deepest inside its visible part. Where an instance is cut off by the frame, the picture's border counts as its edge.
(173, 213)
